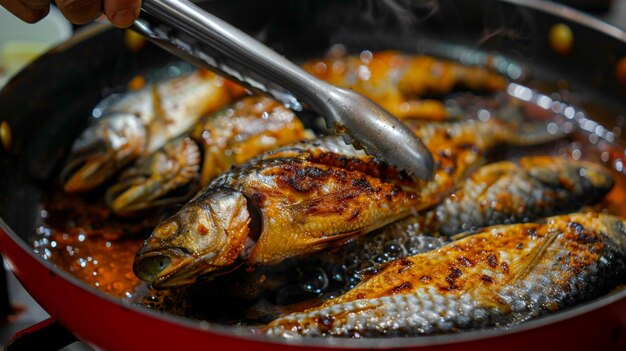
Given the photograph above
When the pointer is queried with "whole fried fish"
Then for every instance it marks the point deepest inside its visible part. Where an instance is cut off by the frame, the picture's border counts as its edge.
(242, 130)
(504, 192)
(307, 197)
(139, 123)
(247, 128)
(499, 277)
(399, 82)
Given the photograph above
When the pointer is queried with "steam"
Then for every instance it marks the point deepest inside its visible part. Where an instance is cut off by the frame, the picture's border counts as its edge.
(401, 14)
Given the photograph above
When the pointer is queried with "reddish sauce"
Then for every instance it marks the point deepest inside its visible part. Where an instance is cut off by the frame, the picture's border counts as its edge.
(104, 264)
(83, 238)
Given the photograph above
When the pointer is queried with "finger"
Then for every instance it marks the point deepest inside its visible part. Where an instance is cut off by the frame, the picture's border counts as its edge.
(80, 11)
(25, 12)
(122, 13)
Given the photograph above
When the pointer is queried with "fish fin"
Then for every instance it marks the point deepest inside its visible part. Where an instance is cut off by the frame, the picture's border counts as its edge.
(465, 234)
(159, 114)
(521, 269)
(367, 273)
(345, 236)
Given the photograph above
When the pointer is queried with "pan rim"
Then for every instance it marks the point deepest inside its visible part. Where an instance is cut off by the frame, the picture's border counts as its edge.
(327, 342)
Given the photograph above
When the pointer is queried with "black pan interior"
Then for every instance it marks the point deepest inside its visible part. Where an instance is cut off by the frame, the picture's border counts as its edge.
(50, 102)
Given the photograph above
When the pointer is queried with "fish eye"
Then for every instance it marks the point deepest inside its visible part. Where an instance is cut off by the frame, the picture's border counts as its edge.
(166, 230)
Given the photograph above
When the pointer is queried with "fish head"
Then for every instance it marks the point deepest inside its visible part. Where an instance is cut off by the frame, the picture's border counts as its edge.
(165, 177)
(205, 238)
(102, 149)
(582, 178)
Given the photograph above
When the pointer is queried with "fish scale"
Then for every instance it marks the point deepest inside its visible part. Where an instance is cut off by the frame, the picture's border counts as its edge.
(493, 292)
(515, 196)
(316, 195)
(518, 195)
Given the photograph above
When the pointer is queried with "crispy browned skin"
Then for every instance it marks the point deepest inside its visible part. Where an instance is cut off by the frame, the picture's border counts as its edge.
(504, 192)
(397, 82)
(311, 196)
(501, 276)
(247, 128)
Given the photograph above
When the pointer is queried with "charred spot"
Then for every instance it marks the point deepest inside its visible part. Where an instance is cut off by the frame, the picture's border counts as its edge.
(425, 279)
(393, 193)
(583, 235)
(486, 279)
(449, 288)
(372, 167)
(492, 260)
(455, 273)
(402, 287)
(362, 184)
(452, 277)
(404, 264)
(505, 267)
(369, 272)
(338, 160)
(308, 178)
(465, 262)
(531, 232)
(336, 203)
(519, 246)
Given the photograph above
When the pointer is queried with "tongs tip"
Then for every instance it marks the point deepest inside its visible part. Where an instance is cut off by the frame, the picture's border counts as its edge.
(371, 128)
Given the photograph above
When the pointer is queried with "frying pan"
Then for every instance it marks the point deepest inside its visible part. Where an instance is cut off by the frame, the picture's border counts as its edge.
(49, 103)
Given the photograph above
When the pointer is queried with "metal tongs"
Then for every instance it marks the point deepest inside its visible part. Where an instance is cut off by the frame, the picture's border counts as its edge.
(203, 39)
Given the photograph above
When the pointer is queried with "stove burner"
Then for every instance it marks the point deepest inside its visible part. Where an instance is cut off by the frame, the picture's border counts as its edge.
(45, 335)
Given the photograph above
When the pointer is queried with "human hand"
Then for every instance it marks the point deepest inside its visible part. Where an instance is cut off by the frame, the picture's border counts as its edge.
(121, 13)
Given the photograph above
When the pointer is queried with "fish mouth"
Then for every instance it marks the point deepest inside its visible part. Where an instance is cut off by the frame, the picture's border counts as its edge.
(175, 267)
(135, 196)
(87, 171)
